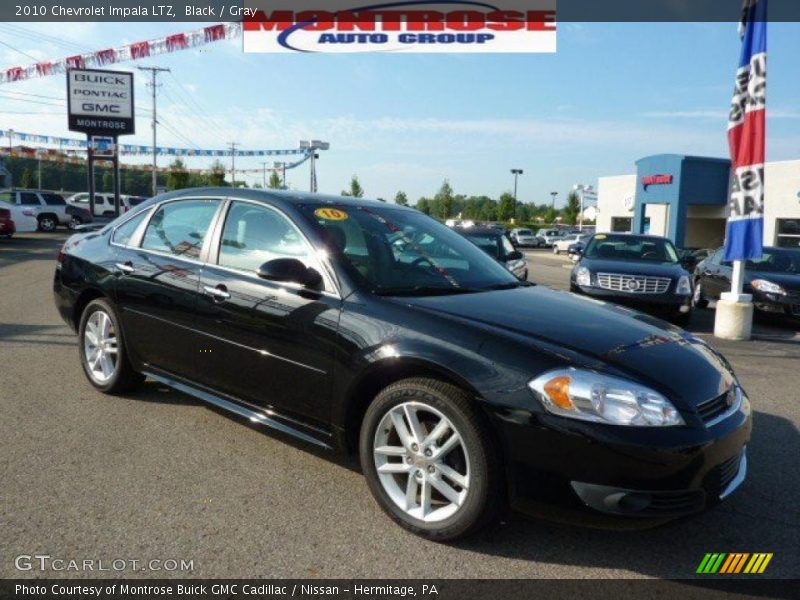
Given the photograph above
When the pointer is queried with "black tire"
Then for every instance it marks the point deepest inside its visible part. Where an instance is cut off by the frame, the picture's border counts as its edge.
(75, 222)
(681, 319)
(698, 299)
(124, 378)
(47, 223)
(483, 501)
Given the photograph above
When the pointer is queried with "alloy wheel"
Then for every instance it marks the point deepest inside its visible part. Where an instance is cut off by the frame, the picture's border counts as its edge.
(100, 347)
(47, 224)
(422, 461)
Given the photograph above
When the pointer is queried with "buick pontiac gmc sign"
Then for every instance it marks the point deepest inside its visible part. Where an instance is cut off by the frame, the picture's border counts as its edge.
(410, 26)
(100, 102)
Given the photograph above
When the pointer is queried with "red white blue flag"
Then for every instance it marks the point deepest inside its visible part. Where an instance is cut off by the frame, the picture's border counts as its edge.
(747, 136)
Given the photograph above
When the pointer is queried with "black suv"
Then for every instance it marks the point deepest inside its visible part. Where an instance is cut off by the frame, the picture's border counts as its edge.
(371, 328)
(643, 271)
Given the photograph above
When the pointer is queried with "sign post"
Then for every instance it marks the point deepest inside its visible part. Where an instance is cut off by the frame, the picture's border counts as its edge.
(100, 104)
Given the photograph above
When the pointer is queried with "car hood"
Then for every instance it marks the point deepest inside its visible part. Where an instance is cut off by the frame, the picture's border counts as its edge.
(632, 267)
(788, 281)
(601, 335)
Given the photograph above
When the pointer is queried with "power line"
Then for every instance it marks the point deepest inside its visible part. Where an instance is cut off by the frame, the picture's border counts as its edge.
(19, 51)
(62, 41)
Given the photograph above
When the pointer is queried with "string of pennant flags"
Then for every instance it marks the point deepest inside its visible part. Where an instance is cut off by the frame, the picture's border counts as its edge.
(51, 155)
(129, 52)
(135, 150)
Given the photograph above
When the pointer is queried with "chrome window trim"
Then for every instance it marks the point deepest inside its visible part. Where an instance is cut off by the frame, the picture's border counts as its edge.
(331, 288)
(138, 232)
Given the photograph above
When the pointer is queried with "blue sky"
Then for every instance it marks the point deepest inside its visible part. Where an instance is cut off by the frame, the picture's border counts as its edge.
(611, 94)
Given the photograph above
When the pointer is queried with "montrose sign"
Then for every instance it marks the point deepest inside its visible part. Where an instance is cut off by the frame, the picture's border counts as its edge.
(410, 26)
(100, 102)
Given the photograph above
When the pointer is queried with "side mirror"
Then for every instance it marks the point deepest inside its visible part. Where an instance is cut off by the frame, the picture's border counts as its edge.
(515, 255)
(290, 270)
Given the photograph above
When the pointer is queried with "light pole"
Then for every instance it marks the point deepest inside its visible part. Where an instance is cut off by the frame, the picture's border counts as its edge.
(516, 173)
(586, 193)
(553, 196)
(233, 163)
(312, 146)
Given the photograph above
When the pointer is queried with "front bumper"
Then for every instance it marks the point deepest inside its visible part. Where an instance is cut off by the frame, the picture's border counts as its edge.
(681, 303)
(788, 305)
(558, 465)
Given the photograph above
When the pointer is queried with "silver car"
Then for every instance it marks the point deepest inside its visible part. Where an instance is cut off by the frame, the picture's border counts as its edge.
(526, 237)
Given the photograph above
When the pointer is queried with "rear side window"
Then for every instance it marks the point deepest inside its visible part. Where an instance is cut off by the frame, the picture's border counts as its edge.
(124, 232)
(6, 197)
(180, 228)
(29, 199)
(54, 200)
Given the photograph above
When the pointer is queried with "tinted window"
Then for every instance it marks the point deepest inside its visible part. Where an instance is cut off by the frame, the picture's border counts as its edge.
(486, 242)
(254, 235)
(524, 232)
(29, 199)
(124, 232)
(54, 200)
(180, 227)
(631, 247)
(776, 260)
(400, 251)
(136, 200)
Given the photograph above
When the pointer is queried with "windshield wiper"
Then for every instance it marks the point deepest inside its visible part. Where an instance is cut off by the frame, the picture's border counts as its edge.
(510, 285)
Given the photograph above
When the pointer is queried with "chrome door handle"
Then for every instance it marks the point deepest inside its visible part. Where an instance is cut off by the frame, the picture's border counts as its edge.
(125, 268)
(216, 293)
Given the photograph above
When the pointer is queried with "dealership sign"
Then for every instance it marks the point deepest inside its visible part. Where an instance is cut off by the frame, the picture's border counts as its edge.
(402, 27)
(656, 180)
(100, 102)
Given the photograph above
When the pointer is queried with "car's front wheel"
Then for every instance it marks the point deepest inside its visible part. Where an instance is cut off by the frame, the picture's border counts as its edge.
(428, 459)
(75, 222)
(102, 349)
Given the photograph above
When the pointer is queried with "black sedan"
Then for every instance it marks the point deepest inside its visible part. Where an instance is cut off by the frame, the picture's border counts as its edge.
(370, 328)
(773, 280)
(497, 244)
(637, 270)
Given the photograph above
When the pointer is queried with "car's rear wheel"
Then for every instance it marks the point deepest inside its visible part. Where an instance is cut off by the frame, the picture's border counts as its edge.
(428, 459)
(102, 349)
(75, 222)
(555, 250)
(47, 223)
(698, 298)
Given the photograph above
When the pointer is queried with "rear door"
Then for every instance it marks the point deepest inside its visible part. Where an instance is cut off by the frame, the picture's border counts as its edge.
(267, 343)
(158, 268)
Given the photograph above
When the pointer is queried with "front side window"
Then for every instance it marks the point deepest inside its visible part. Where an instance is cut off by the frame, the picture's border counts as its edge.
(630, 247)
(776, 260)
(256, 234)
(395, 251)
(180, 227)
(124, 232)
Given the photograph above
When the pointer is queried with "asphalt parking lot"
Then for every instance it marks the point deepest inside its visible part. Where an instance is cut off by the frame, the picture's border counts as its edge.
(158, 475)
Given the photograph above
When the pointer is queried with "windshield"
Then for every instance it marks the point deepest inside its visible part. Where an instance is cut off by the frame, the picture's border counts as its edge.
(630, 247)
(404, 252)
(776, 260)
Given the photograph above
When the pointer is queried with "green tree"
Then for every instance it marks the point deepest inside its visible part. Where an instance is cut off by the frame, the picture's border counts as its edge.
(178, 176)
(507, 207)
(572, 209)
(26, 180)
(444, 200)
(401, 198)
(275, 182)
(216, 176)
(550, 215)
(356, 191)
(423, 205)
(108, 181)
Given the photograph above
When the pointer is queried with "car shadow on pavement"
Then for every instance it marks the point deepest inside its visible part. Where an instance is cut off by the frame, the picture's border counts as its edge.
(31, 246)
(762, 516)
(46, 335)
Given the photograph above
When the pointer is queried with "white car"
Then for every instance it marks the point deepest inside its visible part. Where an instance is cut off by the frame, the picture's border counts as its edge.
(525, 237)
(104, 203)
(48, 209)
(24, 217)
(562, 244)
(549, 236)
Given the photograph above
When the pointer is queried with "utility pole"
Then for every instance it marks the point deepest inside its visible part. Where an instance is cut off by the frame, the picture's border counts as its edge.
(516, 173)
(154, 71)
(233, 162)
(265, 174)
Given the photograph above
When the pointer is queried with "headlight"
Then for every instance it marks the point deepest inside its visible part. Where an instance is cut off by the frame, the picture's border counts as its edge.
(590, 396)
(583, 276)
(762, 285)
(684, 287)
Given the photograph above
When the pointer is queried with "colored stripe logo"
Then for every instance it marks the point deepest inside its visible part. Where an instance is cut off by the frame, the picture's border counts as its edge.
(733, 563)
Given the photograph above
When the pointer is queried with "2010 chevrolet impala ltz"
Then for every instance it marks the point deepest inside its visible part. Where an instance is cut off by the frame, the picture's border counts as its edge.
(371, 328)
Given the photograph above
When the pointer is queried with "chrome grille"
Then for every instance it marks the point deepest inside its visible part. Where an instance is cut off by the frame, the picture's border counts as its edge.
(633, 284)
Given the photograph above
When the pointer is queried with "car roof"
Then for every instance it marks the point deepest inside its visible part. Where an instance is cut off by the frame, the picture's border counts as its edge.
(287, 196)
(641, 236)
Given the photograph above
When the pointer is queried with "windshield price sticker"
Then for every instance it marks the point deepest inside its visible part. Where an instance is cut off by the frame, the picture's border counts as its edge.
(331, 214)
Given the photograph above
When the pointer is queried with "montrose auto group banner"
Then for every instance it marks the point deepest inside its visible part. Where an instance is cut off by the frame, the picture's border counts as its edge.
(348, 26)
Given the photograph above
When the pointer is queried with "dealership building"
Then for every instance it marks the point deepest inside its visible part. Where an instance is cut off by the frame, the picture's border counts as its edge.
(685, 198)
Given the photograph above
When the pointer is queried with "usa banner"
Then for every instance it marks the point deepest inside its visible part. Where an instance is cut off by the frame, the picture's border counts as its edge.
(746, 138)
